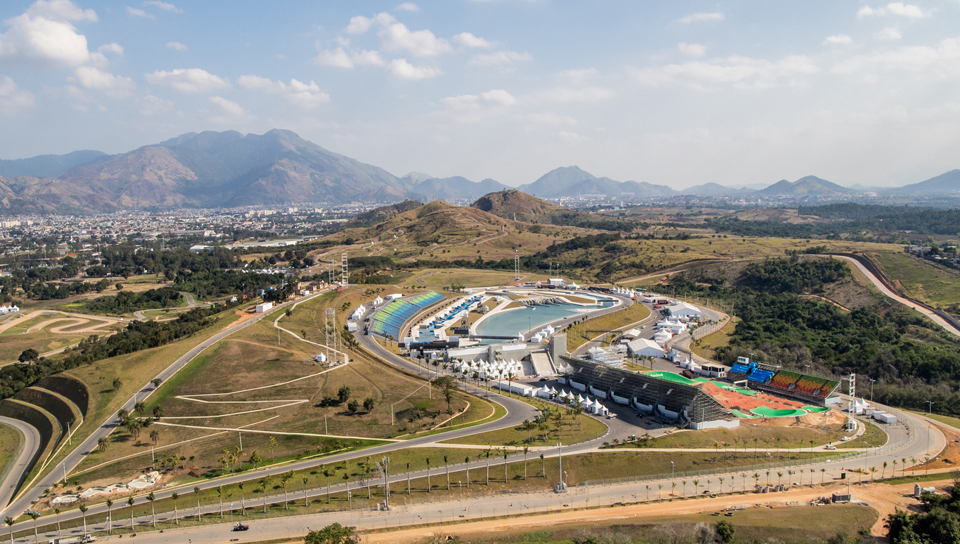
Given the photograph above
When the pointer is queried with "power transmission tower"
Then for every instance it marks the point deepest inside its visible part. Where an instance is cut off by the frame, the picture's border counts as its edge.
(346, 274)
(853, 394)
(330, 271)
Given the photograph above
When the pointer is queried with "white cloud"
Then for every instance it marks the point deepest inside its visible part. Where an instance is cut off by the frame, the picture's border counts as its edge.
(420, 43)
(61, 10)
(151, 105)
(546, 118)
(344, 59)
(191, 80)
(838, 39)
(114, 48)
(580, 75)
(163, 5)
(93, 78)
(228, 108)
(694, 50)
(471, 108)
(888, 34)
(12, 98)
(906, 10)
(735, 71)
(700, 17)
(570, 94)
(361, 24)
(894, 8)
(467, 39)
(42, 35)
(177, 46)
(403, 69)
(407, 6)
(303, 95)
(139, 13)
(500, 58)
(570, 136)
(940, 62)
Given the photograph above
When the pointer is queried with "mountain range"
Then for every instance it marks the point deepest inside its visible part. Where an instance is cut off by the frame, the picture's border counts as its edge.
(229, 169)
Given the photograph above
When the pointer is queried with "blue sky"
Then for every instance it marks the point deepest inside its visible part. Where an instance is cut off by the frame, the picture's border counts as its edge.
(677, 93)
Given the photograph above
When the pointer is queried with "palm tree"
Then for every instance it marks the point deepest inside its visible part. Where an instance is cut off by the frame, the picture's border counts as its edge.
(447, 466)
(140, 407)
(505, 465)
(176, 517)
(873, 474)
(466, 464)
(660, 492)
(768, 477)
(904, 466)
(219, 490)
(525, 450)
(756, 479)
(155, 436)
(673, 488)
(102, 444)
(305, 480)
(130, 505)
(273, 444)
(648, 493)
(684, 493)
(283, 482)
(696, 487)
(243, 510)
(487, 455)
(153, 511)
(721, 484)
(34, 515)
(57, 512)
(428, 474)
(262, 484)
(823, 472)
(779, 477)
(83, 512)
(543, 467)
(743, 480)
(197, 491)
(408, 484)
(894, 467)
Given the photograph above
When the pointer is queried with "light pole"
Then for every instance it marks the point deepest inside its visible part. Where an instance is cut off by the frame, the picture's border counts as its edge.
(930, 404)
(673, 470)
(459, 483)
(872, 381)
(562, 486)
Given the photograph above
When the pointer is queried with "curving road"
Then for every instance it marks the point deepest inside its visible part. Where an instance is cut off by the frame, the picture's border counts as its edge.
(20, 465)
(909, 303)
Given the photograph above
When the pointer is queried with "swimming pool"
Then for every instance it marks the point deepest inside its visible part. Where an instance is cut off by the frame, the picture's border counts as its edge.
(513, 322)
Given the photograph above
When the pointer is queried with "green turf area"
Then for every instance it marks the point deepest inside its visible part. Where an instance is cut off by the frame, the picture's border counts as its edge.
(946, 420)
(738, 413)
(12, 346)
(770, 412)
(787, 526)
(9, 444)
(671, 377)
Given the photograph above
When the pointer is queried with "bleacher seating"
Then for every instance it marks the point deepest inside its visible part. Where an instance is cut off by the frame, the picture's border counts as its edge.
(390, 320)
(784, 380)
(740, 368)
(760, 376)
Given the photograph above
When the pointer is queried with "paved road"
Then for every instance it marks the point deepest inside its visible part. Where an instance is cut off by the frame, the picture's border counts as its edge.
(883, 289)
(911, 440)
(28, 497)
(191, 303)
(15, 470)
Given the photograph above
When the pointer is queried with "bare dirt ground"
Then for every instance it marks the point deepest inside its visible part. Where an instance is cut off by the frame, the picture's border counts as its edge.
(881, 497)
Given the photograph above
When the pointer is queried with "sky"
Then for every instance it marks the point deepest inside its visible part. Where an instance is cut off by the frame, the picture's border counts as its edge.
(673, 93)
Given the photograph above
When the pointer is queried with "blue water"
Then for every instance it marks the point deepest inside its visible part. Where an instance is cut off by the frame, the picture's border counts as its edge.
(512, 322)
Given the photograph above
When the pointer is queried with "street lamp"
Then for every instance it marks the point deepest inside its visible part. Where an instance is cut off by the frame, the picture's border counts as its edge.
(673, 470)
(459, 483)
(930, 404)
(872, 381)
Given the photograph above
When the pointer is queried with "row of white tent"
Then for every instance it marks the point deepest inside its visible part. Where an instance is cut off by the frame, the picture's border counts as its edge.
(8, 309)
(541, 335)
(592, 406)
(498, 370)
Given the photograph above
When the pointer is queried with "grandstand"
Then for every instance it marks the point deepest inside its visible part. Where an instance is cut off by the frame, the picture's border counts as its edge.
(668, 397)
(750, 371)
(390, 320)
(813, 389)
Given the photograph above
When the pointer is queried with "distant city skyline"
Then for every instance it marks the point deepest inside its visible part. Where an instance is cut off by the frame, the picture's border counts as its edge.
(678, 94)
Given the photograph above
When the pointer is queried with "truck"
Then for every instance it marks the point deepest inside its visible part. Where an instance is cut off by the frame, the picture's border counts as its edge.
(74, 540)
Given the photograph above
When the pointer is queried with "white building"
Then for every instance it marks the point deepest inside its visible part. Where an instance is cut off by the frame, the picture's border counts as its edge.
(263, 307)
(686, 310)
(662, 337)
(556, 282)
(643, 347)
(394, 296)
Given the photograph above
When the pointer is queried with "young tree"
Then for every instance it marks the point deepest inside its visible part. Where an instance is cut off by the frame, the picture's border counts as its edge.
(331, 534)
(353, 406)
(343, 394)
(368, 404)
(176, 517)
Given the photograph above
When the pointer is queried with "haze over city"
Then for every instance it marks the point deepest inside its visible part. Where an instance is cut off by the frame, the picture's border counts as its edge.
(675, 94)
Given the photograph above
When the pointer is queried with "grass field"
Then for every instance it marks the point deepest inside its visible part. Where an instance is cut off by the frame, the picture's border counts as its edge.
(749, 437)
(12, 346)
(873, 437)
(786, 526)
(920, 279)
(9, 443)
(706, 347)
(578, 334)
